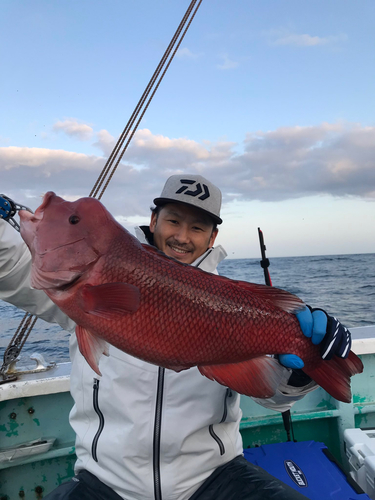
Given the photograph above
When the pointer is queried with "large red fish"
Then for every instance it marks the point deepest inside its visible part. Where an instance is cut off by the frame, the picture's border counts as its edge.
(164, 312)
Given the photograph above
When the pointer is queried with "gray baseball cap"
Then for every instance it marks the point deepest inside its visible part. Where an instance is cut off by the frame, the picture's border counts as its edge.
(192, 190)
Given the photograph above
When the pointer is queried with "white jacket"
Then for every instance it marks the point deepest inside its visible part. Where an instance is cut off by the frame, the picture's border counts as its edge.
(145, 431)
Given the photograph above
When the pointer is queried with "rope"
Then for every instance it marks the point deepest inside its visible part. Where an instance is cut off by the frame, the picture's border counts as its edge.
(16, 344)
(142, 103)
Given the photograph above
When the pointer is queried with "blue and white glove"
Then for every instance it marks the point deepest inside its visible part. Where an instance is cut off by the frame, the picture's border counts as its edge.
(333, 337)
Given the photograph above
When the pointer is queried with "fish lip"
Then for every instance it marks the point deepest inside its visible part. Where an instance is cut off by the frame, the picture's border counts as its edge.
(46, 200)
(39, 212)
(26, 216)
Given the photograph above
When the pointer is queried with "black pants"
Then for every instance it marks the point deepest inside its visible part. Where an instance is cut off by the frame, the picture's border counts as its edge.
(236, 480)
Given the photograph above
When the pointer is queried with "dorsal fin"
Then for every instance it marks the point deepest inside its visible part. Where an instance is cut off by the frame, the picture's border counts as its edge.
(279, 298)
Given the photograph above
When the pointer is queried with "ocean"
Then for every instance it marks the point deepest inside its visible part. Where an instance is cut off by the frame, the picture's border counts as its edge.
(343, 285)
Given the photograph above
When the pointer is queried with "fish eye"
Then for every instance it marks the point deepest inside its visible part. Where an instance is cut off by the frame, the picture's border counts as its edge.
(74, 219)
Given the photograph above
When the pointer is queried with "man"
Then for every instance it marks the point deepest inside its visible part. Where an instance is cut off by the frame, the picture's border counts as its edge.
(144, 432)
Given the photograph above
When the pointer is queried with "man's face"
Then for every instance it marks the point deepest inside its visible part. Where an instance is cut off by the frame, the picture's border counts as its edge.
(182, 232)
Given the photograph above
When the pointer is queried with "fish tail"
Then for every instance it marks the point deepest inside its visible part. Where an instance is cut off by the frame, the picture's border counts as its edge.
(334, 375)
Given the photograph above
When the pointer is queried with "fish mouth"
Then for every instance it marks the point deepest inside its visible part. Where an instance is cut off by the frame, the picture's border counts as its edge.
(67, 286)
(45, 202)
(48, 281)
(29, 221)
(26, 216)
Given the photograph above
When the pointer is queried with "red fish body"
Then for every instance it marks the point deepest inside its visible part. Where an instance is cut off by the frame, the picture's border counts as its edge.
(164, 312)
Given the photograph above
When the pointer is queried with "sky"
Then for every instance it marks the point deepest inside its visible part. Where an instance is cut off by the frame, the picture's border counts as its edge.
(273, 101)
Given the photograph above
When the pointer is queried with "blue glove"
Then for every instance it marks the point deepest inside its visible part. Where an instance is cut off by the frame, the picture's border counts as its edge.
(333, 337)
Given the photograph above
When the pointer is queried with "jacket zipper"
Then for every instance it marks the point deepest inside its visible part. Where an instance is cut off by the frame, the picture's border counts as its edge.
(204, 257)
(228, 394)
(157, 425)
(157, 434)
(94, 445)
(217, 439)
(211, 427)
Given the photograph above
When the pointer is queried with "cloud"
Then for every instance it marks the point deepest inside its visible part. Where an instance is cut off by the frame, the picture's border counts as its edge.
(74, 128)
(284, 37)
(335, 159)
(227, 63)
(32, 171)
(105, 142)
(187, 54)
(287, 163)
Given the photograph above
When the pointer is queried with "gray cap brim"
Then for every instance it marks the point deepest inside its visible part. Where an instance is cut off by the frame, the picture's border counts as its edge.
(163, 201)
(193, 190)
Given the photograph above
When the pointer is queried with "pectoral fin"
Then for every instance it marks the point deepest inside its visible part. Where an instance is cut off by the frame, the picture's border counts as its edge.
(110, 298)
(91, 347)
(257, 377)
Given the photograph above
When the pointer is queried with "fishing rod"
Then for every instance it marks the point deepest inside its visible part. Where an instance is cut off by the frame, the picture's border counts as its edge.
(265, 264)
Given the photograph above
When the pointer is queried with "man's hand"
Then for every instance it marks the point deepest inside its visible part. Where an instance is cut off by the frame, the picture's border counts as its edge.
(333, 337)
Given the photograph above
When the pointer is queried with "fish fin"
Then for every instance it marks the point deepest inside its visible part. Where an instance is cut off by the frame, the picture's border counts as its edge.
(110, 298)
(178, 368)
(257, 377)
(334, 375)
(91, 347)
(280, 298)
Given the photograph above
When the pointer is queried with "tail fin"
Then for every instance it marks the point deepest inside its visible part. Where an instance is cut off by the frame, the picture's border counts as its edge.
(334, 375)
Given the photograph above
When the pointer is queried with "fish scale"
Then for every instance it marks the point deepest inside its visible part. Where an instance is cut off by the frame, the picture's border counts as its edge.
(165, 312)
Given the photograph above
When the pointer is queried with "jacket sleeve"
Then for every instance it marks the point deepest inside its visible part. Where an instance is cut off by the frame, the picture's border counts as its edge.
(286, 394)
(15, 288)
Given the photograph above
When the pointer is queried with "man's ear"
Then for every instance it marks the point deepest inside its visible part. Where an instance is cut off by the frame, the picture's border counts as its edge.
(213, 237)
(154, 218)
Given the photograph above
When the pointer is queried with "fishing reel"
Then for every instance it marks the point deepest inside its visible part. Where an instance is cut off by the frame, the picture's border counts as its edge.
(9, 208)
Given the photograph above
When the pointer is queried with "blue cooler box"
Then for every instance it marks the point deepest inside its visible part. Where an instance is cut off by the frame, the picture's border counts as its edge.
(308, 467)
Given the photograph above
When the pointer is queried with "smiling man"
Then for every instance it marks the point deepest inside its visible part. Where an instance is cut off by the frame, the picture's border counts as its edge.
(184, 222)
(181, 232)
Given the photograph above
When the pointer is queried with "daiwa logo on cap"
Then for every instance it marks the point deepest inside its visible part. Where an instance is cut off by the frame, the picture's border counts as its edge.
(193, 190)
(295, 473)
(197, 191)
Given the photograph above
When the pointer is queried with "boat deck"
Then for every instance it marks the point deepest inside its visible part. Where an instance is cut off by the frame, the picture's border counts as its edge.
(37, 443)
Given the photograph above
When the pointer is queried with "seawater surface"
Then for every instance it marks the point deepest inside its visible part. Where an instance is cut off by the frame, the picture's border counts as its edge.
(343, 285)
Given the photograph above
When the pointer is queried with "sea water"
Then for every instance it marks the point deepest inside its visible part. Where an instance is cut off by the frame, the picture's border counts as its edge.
(343, 285)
